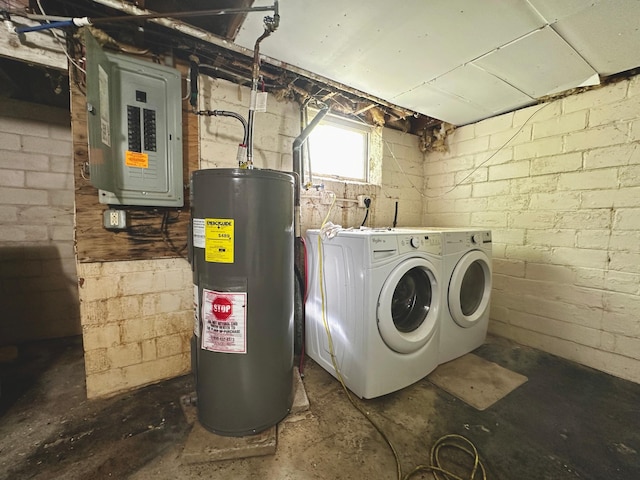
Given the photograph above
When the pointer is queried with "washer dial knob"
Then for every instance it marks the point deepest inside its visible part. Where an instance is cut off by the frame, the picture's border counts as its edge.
(476, 238)
(415, 242)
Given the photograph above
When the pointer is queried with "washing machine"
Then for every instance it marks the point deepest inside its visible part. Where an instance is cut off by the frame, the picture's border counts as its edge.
(379, 293)
(464, 318)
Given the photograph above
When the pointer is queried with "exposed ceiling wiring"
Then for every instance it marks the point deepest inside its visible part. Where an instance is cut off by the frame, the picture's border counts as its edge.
(525, 123)
(282, 79)
(59, 40)
(456, 185)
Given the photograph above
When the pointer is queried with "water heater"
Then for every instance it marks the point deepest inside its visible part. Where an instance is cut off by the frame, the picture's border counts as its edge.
(243, 274)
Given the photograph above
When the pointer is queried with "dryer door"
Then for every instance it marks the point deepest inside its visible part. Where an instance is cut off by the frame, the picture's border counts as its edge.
(408, 305)
(470, 288)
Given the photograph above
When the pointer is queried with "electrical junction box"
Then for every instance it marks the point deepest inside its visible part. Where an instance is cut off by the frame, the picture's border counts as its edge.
(135, 129)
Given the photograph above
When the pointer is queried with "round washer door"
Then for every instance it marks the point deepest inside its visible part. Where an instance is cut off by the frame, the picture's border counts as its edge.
(408, 305)
(470, 288)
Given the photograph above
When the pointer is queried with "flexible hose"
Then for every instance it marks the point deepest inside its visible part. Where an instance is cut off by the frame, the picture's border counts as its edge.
(225, 113)
(46, 26)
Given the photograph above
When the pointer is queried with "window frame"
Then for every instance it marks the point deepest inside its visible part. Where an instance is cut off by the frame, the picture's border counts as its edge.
(347, 124)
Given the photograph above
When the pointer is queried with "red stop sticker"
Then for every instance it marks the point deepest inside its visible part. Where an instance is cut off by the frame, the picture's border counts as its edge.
(221, 308)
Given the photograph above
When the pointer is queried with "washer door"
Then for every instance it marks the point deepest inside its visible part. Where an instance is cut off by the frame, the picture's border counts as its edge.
(470, 288)
(408, 305)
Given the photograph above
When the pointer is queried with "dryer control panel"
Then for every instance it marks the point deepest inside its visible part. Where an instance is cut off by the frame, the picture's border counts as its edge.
(461, 241)
(420, 242)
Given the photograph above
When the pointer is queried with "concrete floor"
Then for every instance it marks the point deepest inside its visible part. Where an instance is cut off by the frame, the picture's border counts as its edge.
(565, 422)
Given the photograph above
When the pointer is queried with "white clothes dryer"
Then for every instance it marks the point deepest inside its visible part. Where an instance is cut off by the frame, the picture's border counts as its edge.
(466, 261)
(378, 291)
(464, 318)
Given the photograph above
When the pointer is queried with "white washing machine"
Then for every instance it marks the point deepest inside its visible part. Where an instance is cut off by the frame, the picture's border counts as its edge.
(381, 295)
(464, 318)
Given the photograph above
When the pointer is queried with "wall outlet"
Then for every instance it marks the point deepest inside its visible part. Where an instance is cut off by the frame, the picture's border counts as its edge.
(114, 219)
(361, 201)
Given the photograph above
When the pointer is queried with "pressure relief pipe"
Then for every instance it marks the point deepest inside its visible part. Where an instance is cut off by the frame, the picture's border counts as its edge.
(298, 245)
(297, 162)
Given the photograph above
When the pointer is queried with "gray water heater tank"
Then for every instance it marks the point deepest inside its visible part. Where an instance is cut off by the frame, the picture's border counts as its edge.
(243, 273)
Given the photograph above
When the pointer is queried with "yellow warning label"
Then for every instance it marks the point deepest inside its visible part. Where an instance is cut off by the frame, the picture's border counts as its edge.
(136, 159)
(218, 242)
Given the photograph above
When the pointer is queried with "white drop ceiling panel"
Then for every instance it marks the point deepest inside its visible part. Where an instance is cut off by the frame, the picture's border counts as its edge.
(386, 48)
(607, 34)
(444, 106)
(539, 64)
(554, 10)
(481, 88)
(455, 60)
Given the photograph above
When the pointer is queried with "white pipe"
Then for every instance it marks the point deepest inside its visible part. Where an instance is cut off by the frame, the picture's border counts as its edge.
(318, 196)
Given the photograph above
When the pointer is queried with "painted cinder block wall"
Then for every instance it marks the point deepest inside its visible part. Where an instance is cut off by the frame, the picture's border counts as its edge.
(137, 316)
(136, 322)
(563, 200)
(275, 131)
(38, 282)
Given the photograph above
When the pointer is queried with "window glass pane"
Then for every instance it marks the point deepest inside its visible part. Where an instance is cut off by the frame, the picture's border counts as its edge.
(337, 150)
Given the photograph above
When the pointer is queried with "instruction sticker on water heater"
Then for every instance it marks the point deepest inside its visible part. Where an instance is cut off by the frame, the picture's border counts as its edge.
(224, 318)
(218, 240)
(198, 233)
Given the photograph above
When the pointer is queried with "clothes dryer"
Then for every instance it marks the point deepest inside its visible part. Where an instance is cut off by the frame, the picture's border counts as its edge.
(379, 293)
(466, 257)
(466, 260)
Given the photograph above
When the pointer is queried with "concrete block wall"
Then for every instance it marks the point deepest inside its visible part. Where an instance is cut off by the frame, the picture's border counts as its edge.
(137, 316)
(559, 185)
(402, 180)
(396, 156)
(137, 321)
(38, 282)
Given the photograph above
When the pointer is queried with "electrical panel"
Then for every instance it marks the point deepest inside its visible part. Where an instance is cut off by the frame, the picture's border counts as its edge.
(135, 129)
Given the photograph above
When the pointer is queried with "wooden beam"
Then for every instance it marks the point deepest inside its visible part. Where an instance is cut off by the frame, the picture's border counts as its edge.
(38, 48)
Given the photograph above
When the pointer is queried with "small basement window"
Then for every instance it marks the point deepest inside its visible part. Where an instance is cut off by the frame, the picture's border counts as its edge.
(339, 148)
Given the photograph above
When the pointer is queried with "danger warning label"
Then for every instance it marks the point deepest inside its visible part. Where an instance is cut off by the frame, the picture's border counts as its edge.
(224, 321)
(221, 308)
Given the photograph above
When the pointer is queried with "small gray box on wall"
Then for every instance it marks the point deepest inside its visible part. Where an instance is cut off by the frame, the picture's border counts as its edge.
(135, 129)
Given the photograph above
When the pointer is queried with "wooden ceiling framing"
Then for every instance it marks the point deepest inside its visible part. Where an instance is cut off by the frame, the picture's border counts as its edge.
(215, 60)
